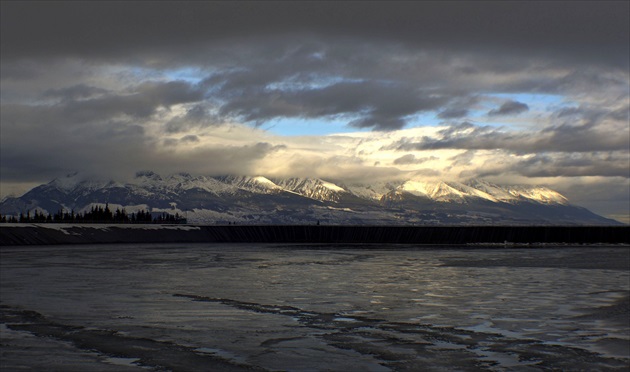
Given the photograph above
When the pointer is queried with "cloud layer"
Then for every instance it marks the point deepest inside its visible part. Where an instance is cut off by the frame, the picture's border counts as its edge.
(517, 92)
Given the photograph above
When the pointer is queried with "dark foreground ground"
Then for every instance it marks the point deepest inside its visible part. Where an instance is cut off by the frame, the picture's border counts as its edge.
(43, 234)
(252, 307)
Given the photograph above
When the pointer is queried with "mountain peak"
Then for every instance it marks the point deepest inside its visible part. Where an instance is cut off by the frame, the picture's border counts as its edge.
(313, 188)
(148, 174)
(258, 199)
(66, 183)
(256, 183)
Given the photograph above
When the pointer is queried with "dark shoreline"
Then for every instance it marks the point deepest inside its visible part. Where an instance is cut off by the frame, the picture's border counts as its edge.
(49, 234)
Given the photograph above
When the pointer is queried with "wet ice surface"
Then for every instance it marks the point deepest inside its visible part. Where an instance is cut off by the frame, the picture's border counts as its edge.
(266, 307)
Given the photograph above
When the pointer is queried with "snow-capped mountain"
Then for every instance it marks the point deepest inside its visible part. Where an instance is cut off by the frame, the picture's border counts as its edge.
(254, 184)
(456, 192)
(257, 199)
(313, 188)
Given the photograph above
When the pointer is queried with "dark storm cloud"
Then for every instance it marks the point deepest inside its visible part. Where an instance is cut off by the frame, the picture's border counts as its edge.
(140, 102)
(453, 113)
(459, 106)
(462, 159)
(105, 155)
(195, 117)
(509, 108)
(592, 30)
(75, 92)
(379, 106)
(603, 164)
(561, 138)
(591, 116)
(411, 159)
(191, 138)
(122, 86)
(85, 127)
(267, 58)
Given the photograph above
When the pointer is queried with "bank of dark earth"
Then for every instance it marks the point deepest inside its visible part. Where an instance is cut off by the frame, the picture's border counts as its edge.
(45, 234)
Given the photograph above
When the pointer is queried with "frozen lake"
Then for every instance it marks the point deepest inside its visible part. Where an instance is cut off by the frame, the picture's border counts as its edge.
(295, 307)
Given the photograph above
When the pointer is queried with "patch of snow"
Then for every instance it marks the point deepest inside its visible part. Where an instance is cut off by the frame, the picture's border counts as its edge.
(107, 227)
(67, 183)
(112, 207)
(439, 191)
(373, 191)
(497, 192)
(265, 181)
(472, 191)
(312, 188)
(340, 209)
(154, 226)
(332, 186)
(539, 194)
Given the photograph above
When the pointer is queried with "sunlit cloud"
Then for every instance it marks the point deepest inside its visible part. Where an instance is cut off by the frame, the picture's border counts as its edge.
(352, 101)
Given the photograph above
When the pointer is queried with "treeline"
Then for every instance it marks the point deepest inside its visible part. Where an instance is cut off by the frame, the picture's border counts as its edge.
(95, 215)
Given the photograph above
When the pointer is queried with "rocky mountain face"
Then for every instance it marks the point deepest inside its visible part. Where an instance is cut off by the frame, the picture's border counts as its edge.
(260, 200)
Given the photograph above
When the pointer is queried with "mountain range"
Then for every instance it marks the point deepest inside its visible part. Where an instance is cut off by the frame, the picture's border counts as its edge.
(261, 200)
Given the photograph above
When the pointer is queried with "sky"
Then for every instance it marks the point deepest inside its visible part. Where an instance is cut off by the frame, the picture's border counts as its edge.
(512, 92)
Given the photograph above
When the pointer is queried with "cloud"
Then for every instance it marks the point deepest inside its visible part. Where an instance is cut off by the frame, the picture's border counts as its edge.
(375, 105)
(461, 105)
(366, 85)
(75, 92)
(509, 108)
(559, 165)
(105, 155)
(574, 165)
(453, 113)
(81, 105)
(462, 159)
(191, 138)
(470, 87)
(51, 30)
(197, 116)
(411, 159)
(583, 138)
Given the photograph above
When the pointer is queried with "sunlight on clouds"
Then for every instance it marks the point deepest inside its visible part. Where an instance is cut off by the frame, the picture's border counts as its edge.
(318, 105)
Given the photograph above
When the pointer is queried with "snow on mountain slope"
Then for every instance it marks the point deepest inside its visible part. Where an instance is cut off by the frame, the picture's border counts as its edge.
(450, 191)
(497, 192)
(438, 191)
(257, 199)
(446, 191)
(374, 191)
(457, 192)
(312, 188)
(179, 182)
(67, 183)
(255, 184)
(149, 183)
(515, 193)
(74, 181)
(538, 194)
(472, 192)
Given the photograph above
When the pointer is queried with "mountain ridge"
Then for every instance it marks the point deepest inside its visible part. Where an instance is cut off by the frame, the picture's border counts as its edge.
(259, 199)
